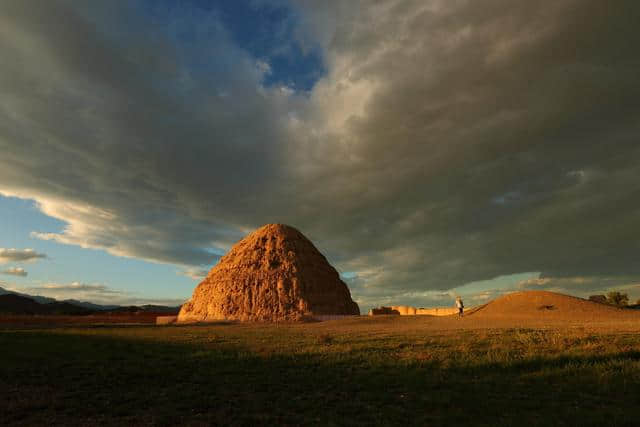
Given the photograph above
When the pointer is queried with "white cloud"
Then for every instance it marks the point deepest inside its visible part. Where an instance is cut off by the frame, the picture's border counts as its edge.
(263, 67)
(92, 292)
(194, 273)
(19, 255)
(15, 271)
(76, 287)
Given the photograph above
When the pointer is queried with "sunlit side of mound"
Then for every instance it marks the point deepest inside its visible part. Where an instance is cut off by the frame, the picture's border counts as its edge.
(545, 304)
(273, 274)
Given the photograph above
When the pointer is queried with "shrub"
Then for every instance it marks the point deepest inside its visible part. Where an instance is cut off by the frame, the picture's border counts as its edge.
(617, 298)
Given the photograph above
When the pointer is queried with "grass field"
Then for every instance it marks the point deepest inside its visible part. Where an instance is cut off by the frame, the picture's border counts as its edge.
(364, 371)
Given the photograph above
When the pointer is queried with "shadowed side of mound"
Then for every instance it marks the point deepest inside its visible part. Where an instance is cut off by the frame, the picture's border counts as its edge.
(273, 274)
(550, 305)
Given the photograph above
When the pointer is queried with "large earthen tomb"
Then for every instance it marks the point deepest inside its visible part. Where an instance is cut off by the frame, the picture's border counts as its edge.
(273, 274)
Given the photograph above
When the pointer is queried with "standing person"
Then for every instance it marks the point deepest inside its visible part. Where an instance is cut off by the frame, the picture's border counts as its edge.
(460, 306)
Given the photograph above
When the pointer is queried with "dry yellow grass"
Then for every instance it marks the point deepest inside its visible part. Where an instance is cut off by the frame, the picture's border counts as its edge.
(531, 369)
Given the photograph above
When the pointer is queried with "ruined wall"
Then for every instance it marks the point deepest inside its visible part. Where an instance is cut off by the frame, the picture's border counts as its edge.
(405, 310)
(439, 311)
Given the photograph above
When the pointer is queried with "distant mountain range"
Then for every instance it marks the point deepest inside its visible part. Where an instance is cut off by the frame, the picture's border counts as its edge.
(16, 304)
(12, 302)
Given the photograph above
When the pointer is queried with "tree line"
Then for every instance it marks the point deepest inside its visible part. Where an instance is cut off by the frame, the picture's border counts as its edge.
(617, 298)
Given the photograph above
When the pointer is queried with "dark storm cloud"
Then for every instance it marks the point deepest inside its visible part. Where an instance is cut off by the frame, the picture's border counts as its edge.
(121, 140)
(496, 138)
(449, 141)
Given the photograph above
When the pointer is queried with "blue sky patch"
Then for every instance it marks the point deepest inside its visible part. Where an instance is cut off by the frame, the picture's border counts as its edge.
(269, 31)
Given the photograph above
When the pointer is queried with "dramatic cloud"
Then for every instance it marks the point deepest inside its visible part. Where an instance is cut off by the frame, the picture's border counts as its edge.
(124, 147)
(15, 271)
(447, 142)
(19, 255)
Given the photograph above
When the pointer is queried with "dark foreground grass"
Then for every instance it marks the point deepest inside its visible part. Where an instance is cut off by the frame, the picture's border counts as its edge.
(316, 375)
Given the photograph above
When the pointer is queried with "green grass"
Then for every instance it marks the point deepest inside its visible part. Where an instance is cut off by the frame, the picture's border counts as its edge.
(318, 374)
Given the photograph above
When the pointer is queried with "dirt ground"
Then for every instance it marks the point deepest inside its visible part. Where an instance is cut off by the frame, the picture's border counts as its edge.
(15, 321)
(531, 309)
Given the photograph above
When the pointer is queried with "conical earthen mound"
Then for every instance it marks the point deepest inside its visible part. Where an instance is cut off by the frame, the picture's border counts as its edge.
(549, 305)
(273, 274)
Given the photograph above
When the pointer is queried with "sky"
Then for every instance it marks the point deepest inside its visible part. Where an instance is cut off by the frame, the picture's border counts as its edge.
(429, 148)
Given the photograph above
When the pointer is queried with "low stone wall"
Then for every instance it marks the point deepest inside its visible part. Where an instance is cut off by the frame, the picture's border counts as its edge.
(405, 310)
(382, 311)
(439, 311)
